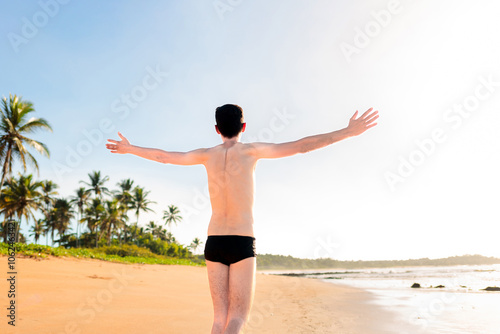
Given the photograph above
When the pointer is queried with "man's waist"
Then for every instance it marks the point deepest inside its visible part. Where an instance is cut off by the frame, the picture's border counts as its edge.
(230, 226)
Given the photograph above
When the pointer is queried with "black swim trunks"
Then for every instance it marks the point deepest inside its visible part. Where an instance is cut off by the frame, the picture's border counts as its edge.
(229, 249)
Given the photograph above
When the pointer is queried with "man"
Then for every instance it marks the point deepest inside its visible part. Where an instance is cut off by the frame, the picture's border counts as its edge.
(230, 247)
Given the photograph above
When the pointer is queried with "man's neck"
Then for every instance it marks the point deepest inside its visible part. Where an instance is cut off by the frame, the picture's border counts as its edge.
(230, 141)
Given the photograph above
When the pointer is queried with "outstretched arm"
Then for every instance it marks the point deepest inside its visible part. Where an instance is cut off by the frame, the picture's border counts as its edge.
(355, 128)
(176, 158)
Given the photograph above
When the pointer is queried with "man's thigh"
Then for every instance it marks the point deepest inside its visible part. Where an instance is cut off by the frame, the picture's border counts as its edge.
(241, 286)
(218, 279)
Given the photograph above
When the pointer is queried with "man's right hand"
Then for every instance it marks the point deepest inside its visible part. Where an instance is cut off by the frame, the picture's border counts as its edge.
(120, 147)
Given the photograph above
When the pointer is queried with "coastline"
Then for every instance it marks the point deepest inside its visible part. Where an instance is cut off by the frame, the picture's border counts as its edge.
(70, 296)
(426, 300)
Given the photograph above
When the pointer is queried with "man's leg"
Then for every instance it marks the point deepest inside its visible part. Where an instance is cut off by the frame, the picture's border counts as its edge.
(218, 279)
(241, 291)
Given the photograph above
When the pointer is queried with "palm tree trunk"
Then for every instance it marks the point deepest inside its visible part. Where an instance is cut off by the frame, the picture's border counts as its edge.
(97, 236)
(5, 165)
(5, 227)
(77, 226)
(109, 235)
(52, 236)
(120, 237)
(17, 228)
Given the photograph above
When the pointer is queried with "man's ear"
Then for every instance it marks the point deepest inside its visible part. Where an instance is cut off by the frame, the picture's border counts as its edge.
(217, 129)
(243, 127)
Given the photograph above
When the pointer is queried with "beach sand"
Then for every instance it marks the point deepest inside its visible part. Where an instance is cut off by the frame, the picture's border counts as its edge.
(80, 296)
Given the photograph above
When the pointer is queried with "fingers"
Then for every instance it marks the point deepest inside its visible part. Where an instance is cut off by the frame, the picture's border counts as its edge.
(112, 145)
(366, 113)
(117, 141)
(112, 148)
(371, 118)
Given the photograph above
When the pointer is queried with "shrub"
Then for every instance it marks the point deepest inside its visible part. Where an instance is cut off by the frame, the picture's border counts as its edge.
(126, 250)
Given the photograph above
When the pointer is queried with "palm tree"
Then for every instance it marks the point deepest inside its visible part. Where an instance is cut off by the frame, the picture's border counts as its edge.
(124, 197)
(96, 184)
(135, 232)
(47, 199)
(161, 233)
(171, 216)
(46, 229)
(93, 214)
(140, 201)
(195, 244)
(37, 229)
(51, 225)
(114, 218)
(80, 199)
(151, 227)
(20, 198)
(48, 191)
(157, 231)
(169, 238)
(62, 215)
(14, 125)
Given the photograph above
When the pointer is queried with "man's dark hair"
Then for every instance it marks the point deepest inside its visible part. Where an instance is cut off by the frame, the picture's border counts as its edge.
(229, 118)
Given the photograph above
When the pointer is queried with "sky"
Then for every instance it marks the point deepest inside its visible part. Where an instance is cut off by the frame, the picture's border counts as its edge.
(422, 183)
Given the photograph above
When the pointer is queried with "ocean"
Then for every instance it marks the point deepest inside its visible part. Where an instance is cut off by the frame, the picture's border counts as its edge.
(451, 299)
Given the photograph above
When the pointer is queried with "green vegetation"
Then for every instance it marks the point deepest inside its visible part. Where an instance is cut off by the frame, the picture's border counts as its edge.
(124, 254)
(101, 215)
(280, 262)
(136, 254)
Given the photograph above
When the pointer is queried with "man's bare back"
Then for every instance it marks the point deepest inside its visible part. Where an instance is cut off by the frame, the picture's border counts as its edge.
(230, 171)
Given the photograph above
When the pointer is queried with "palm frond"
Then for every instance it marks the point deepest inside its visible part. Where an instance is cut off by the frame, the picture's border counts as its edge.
(38, 146)
(35, 124)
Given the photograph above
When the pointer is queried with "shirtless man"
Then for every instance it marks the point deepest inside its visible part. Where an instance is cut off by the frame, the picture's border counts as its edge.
(230, 247)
